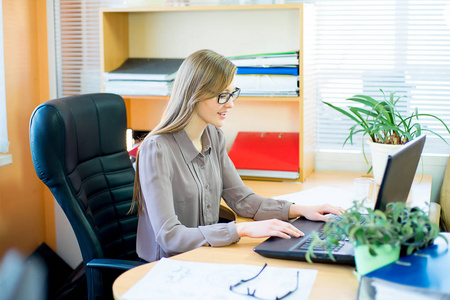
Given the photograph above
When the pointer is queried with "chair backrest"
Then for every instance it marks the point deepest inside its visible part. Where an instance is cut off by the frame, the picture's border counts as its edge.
(78, 146)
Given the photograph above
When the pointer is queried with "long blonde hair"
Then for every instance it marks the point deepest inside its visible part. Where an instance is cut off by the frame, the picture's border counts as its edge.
(202, 75)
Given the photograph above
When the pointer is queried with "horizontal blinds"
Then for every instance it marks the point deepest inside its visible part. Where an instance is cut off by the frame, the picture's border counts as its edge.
(394, 45)
(77, 48)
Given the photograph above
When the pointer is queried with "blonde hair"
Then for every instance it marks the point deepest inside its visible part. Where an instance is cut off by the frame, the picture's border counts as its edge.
(202, 75)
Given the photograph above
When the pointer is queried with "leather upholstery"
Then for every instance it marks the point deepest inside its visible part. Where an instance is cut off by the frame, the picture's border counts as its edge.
(79, 151)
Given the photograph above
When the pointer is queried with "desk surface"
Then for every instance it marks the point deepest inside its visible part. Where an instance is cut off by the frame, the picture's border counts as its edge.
(332, 281)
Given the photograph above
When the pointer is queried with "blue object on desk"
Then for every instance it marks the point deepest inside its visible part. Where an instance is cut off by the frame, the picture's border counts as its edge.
(425, 269)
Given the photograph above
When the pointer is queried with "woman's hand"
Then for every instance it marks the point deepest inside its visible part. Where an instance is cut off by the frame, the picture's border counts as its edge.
(266, 228)
(316, 212)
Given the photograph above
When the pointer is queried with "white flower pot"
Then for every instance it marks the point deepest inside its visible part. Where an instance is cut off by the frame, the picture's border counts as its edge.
(380, 154)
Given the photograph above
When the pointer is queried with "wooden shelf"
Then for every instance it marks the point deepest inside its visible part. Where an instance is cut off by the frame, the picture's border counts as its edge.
(146, 9)
(241, 98)
(176, 32)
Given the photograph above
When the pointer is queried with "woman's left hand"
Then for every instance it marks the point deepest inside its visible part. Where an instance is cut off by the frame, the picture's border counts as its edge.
(315, 212)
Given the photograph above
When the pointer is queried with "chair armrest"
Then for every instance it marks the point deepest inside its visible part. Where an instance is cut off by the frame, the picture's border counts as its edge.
(435, 212)
(226, 214)
(116, 264)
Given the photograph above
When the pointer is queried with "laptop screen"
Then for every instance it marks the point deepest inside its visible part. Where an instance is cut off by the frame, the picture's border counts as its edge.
(399, 173)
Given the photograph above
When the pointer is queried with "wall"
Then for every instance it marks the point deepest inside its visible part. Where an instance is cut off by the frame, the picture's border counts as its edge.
(26, 208)
(429, 164)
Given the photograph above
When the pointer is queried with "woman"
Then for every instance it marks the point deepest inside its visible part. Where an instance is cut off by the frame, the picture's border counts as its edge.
(183, 170)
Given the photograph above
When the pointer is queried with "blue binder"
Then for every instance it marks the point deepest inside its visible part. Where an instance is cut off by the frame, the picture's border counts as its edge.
(268, 70)
(426, 271)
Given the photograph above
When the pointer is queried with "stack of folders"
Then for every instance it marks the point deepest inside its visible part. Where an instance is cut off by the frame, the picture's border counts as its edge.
(269, 74)
(142, 76)
(422, 275)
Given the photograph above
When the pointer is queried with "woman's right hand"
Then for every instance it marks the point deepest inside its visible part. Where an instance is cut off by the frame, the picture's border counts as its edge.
(267, 228)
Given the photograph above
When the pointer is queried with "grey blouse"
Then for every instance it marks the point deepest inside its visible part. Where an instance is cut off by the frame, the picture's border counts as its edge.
(182, 189)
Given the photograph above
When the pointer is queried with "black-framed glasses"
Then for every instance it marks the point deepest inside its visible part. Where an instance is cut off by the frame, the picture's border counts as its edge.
(253, 293)
(225, 97)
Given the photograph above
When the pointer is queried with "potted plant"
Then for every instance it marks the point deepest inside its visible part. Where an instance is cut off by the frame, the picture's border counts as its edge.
(386, 127)
(379, 237)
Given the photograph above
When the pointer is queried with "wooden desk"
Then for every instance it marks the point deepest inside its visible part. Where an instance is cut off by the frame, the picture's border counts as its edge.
(332, 281)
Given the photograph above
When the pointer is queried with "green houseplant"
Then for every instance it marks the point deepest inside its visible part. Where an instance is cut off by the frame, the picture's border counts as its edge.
(400, 228)
(383, 123)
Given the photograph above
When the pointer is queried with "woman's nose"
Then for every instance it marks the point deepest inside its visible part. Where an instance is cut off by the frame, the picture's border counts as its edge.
(229, 104)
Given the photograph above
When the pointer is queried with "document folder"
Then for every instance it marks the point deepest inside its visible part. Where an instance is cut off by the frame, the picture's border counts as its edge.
(293, 71)
(421, 275)
(266, 154)
(163, 69)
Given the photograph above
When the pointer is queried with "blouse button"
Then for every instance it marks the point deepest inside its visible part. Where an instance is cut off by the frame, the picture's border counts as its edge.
(206, 187)
(202, 167)
(208, 206)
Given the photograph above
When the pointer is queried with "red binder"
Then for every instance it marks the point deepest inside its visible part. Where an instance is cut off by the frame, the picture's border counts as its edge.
(266, 154)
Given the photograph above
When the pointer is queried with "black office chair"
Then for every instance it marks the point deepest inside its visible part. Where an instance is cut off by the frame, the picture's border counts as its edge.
(79, 151)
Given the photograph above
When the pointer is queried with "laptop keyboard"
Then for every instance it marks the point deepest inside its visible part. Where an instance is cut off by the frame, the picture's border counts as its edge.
(305, 245)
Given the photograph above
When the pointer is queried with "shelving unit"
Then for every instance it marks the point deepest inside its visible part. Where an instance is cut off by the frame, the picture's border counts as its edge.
(176, 32)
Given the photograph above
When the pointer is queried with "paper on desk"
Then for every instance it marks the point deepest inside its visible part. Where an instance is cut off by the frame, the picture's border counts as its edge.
(174, 279)
(321, 195)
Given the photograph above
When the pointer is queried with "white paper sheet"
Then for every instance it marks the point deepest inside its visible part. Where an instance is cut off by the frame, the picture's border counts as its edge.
(321, 195)
(173, 279)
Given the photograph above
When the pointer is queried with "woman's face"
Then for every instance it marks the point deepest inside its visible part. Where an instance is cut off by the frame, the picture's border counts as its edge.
(210, 111)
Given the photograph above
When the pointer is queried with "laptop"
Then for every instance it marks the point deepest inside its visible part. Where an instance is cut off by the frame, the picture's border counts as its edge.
(397, 180)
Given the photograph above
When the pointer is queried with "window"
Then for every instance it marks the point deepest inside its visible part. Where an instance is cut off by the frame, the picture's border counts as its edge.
(77, 49)
(395, 45)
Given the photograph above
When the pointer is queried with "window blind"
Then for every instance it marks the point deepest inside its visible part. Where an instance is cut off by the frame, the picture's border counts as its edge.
(394, 45)
(77, 36)
(4, 143)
